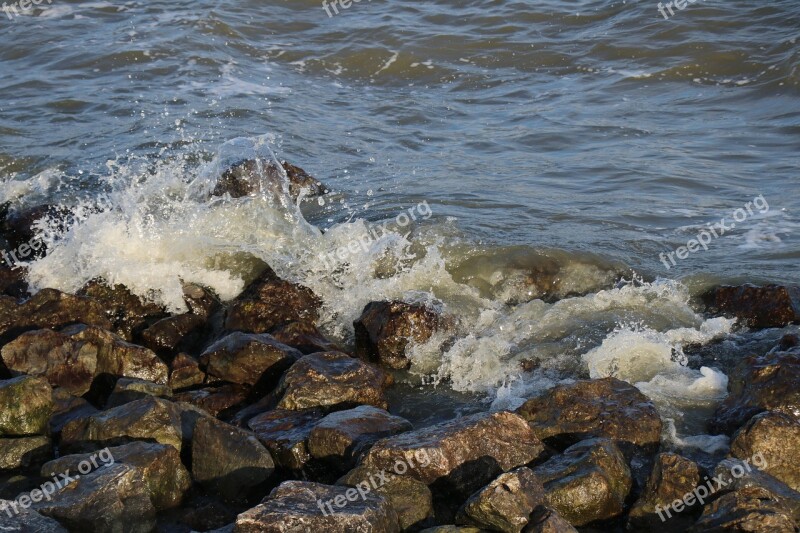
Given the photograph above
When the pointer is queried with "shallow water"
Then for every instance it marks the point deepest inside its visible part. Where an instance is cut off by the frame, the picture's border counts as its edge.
(551, 141)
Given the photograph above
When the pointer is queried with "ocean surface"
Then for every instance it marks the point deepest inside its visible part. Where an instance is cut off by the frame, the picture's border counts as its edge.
(553, 154)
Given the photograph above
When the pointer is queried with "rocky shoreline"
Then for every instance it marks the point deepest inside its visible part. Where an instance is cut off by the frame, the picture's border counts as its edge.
(242, 416)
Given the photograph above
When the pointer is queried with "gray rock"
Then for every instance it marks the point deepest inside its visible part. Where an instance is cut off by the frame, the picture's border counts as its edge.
(18, 520)
(285, 434)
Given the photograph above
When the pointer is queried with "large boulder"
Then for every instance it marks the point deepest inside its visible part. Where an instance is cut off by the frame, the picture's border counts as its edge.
(304, 506)
(249, 359)
(772, 306)
(26, 403)
(773, 439)
(672, 478)
(269, 302)
(606, 407)
(73, 358)
(459, 456)
(333, 380)
(22, 453)
(159, 467)
(285, 433)
(384, 329)
(506, 503)
(227, 460)
(340, 438)
(767, 383)
(128, 314)
(588, 482)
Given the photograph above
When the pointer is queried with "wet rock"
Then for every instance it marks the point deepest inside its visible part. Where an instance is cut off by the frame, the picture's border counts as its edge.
(12, 282)
(672, 478)
(159, 468)
(68, 407)
(299, 179)
(767, 383)
(249, 359)
(251, 176)
(333, 380)
(201, 301)
(506, 503)
(269, 302)
(22, 453)
(607, 407)
(20, 229)
(341, 437)
(18, 520)
(227, 460)
(74, 357)
(127, 312)
(285, 433)
(772, 439)
(459, 456)
(305, 337)
(185, 372)
(547, 520)
(48, 309)
(217, 401)
(750, 509)
(384, 329)
(107, 500)
(173, 334)
(452, 529)
(411, 499)
(772, 306)
(304, 506)
(588, 482)
(130, 389)
(26, 403)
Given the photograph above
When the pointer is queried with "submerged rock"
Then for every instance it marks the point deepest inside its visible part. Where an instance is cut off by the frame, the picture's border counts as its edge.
(285, 433)
(26, 403)
(772, 306)
(304, 506)
(606, 407)
(506, 503)
(767, 383)
(461, 455)
(771, 441)
(333, 380)
(384, 329)
(588, 482)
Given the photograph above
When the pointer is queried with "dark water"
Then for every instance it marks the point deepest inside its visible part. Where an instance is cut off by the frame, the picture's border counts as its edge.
(587, 133)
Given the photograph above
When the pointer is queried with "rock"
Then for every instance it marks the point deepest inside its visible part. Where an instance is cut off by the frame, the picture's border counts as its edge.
(217, 401)
(285, 434)
(130, 389)
(506, 503)
(606, 407)
(269, 302)
(299, 179)
(174, 334)
(150, 418)
(24, 452)
(21, 229)
(26, 403)
(341, 437)
(68, 407)
(185, 372)
(107, 500)
(128, 313)
(227, 460)
(772, 306)
(15, 519)
(304, 506)
(305, 337)
(773, 439)
(12, 282)
(48, 309)
(411, 499)
(459, 456)
(249, 359)
(159, 467)
(333, 380)
(73, 358)
(201, 301)
(251, 176)
(672, 478)
(547, 520)
(767, 383)
(589, 481)
(384, 329)
(452, 529)
(749, 509)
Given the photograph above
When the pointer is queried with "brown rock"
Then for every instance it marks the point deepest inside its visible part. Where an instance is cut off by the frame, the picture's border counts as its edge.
(772, 306)
(750, 509)
(332, 380)
(128, 313)
(300, 179)
(771, 439)
(588, 482)
(12, 282)
(23, 453)
(285, 434)
(68, 407)
(547, 520)
(384, 329)
(129, 390)
(249, 359)
(26, 403)
(173, 334)
(201, 301)
(305, 337)
(251, 176)
(185, 372)
(217, 401)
